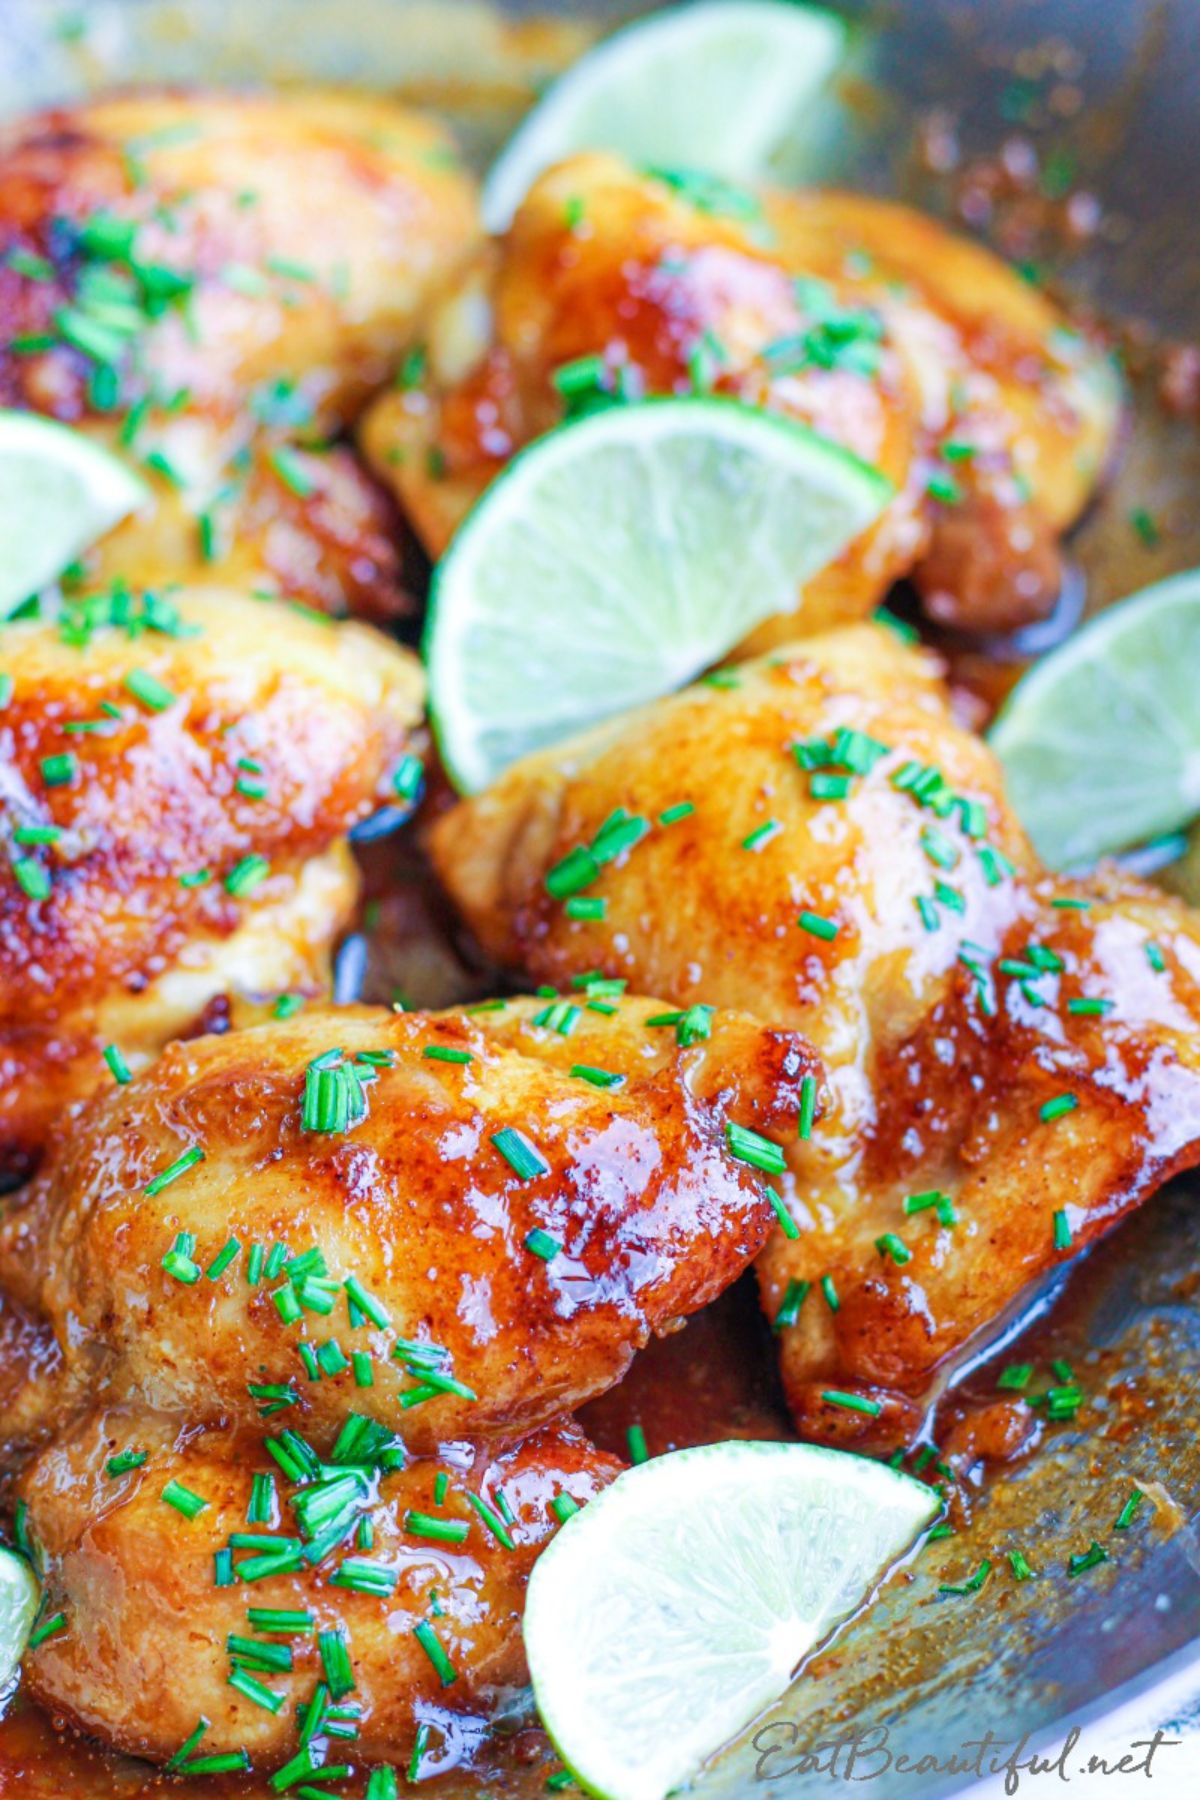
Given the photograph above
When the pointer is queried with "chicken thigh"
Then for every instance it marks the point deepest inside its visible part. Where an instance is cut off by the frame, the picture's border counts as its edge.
(457, 1224)
(1012, 1056)
(918, 351)
(179, 777)
(204, 281)
(329, 1611)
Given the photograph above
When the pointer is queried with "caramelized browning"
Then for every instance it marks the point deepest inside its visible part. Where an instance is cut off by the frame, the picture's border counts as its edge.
(195, 771)
(918, 351)
(1014, 1052)
(524, 1285)
(146, 1651)
(201, 280)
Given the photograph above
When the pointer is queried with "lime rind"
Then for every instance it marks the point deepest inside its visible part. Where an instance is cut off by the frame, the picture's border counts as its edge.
(1100, 741)
(619, 556)
(60, 491)
(675, 1608)
(718, 86)
(20, 1598)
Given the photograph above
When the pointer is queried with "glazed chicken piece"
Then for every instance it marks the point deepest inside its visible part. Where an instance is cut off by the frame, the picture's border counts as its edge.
(151, 1639)
(202, 279)
(493, 1210)
(1013, 1058)
(179, 777)
(918, 351)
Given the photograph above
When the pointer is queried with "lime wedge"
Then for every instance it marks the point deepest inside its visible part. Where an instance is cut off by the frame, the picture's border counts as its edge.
(669, 1612)
(719, 87)
(59, 492)
(1101, 740)
(619, 556)
(19, 1599)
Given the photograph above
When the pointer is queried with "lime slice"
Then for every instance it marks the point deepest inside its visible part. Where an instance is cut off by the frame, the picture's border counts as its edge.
(19, 1600)
(59, 492)
(1101, 740)
(619, 556)
(719, 87)
(675, 1607)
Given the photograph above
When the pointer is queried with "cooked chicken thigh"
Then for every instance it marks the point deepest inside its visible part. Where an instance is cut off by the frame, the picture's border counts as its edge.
(179, 776)
(461, 1225)
(1012, 1057)
(202, 279)
(919, 351)
(161, 1609)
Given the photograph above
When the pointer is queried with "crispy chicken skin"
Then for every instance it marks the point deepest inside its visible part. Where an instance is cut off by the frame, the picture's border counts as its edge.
(146, 1649)
(537, 1286)
(917, 350)
(196, 825)
(946, 1007)
(199, 278)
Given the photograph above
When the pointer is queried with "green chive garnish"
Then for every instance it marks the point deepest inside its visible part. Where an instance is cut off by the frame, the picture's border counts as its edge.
(853, 1402)
(526, 1162)
(542, 1244)
(635, 1438)
(751, 1147)
(118, 1067)
(1056, 1108)
(443, 1053)
(183, 1499)
(149, 690)
(191, 1156)
(818, 927)
(427, 1637)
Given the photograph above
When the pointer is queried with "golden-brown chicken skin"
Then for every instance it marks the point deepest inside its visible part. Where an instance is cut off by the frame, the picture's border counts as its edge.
(180, 774)
(154, 1627)
(203, 280)
(918, 351)
(531, 1192)
(1012, 1057)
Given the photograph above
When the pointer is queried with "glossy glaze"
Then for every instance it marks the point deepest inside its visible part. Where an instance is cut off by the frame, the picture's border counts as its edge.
(604, 260)
(120, 950)
(652, 1214)
(290, 241)
(938, 1074)
(136, 1582)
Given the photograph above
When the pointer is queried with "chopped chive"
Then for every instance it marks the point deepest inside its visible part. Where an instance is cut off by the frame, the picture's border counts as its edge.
(1020, 1567)
(334, 1647)
(562, 1506)
(823, 786)
(190, 1157)
(973, 1585)
(1155, 957)
(189, 1744)
(275, 1618)
(751, 1147)
(367, 1303)
(794, 1296)
(244, 1683)
(381, 1783)
(762, 835)
(365, 1577)
(224, 1762)
(1015, 1377)
(1124, 1518)
(787, 1224)
(1058, 1107)
(118, 1067)
(442, 1531)
(149, 690)
(853, 1402)
(818, 927)
(491, 1519)
(681, 810)
(895, 1247)
(246, 875)
(526, 1162)
(1087, 1559)
(427, 1637)
(1088, 1005)
(364, 1372)
(1062, 1230)
(635, 1438)
(577, 870)
(292, 472)
(221, 1261)
(443, 1053)
(584, 906)
(830, 1292)
(124, 1461)
(601, 1078)
(808, 1107)
(183, 1499)
(542, 1244)
(61, 769)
